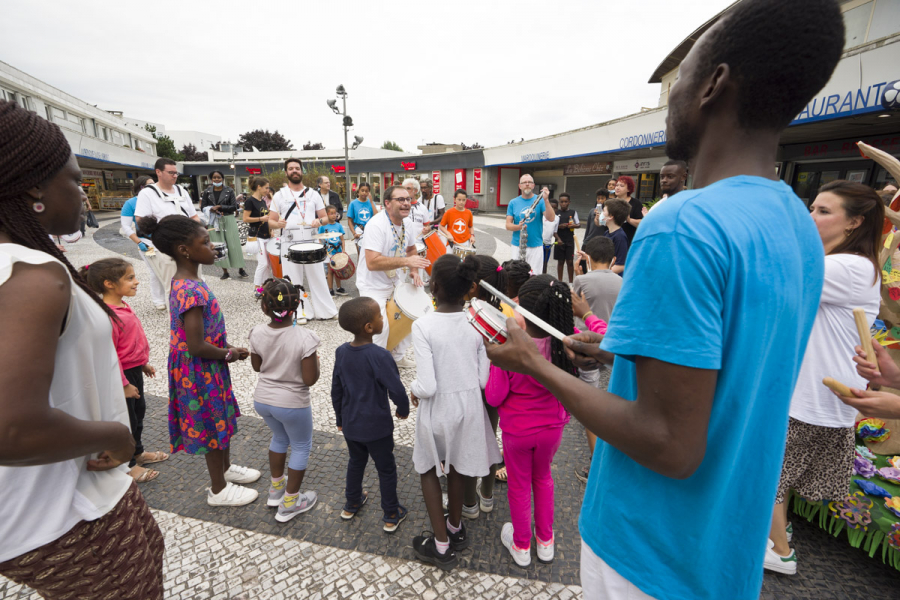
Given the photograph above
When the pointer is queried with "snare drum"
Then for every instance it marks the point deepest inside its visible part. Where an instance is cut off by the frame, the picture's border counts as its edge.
(273, 249)
(487, 320)
(463, 250)
(342, 266)
(306, 253)
(435, 248)
(220, 251)
(407, 303)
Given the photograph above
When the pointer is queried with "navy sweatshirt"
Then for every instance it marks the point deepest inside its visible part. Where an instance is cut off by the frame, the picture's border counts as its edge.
(363, 378)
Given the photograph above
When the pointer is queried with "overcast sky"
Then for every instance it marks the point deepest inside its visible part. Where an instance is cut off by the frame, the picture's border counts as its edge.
(484, 71)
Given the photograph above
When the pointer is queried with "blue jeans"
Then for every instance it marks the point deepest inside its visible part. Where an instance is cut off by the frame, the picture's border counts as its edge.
(290, 427)
(382, 453)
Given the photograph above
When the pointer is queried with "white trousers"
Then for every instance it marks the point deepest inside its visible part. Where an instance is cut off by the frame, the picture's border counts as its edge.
(157, 290)
(599, 581)
(320, 304)
(263, 268)
(533, 256)
(382, 297)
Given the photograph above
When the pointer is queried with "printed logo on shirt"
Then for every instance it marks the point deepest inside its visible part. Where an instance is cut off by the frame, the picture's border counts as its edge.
(459, 226)
(363, 214)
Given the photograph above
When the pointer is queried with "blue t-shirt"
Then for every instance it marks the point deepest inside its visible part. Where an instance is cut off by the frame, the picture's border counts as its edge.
(129, 207)
(620, 245)
(333, 245)
(360, 212)
(710, 285)
(519, 205)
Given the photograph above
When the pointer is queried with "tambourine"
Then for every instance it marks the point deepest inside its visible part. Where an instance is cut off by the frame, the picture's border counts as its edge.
(487, 320)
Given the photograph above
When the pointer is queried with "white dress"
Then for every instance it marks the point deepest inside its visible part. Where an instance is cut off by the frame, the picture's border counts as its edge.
(452, 424)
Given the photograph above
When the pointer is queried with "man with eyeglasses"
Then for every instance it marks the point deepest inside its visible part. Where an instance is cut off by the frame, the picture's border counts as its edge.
(389, 247)
(520, 216)
(418, 212)
(160, 200)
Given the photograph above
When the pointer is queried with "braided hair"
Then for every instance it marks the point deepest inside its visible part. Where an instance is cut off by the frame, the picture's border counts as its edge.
(517, 273)
(489, 271)
(170, 232)
(32, 151)
(454, 277)
(280, 298)
(551, 300)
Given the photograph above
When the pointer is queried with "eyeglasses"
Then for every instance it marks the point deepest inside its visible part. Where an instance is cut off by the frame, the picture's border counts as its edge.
(171, 172)
(399, 200)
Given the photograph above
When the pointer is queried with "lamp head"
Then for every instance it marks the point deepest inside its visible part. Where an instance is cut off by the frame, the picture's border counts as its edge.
(358, 139)
(340, 91)
(348, 121)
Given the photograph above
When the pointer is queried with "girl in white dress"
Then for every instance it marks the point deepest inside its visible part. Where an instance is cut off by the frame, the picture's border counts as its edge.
(453, 432)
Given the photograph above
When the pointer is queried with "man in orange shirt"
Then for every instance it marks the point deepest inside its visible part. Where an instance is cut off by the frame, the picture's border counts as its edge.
(457, 222)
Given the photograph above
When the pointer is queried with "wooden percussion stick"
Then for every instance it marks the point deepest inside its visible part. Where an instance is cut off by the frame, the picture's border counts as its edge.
(865, 338)
(528, 315)
(838, 387)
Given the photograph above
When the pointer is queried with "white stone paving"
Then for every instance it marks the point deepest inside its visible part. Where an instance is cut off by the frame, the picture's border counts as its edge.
(210, 560)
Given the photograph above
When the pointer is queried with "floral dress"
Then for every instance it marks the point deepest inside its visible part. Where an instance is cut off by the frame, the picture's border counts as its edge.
(202, 409)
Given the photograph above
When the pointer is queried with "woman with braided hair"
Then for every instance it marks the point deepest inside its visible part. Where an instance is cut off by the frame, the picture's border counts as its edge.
(532, 422)
(285, 357)
(64, 436)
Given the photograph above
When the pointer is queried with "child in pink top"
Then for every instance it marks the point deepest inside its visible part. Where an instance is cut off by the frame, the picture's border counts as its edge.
(532, 422)
(113, 279)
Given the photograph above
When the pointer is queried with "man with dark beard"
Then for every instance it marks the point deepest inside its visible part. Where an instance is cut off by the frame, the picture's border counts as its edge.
(698, 409)
(672, 178)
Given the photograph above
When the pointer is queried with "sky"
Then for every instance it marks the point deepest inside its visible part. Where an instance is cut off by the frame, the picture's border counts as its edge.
(467, 71)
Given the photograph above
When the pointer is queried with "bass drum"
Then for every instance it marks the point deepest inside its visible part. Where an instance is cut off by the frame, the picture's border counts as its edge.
(408, 303)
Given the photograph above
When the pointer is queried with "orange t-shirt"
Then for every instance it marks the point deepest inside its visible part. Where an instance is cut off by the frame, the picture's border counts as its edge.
(459, 224)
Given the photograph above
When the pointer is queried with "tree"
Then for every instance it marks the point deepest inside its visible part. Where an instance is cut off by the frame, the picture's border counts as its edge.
(389, 145)
(264, 141)
(189, 151)
(311, 146)
(165, 147)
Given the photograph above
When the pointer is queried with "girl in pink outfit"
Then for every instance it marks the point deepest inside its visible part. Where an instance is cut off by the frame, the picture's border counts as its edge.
(113, 279)
(532, 421)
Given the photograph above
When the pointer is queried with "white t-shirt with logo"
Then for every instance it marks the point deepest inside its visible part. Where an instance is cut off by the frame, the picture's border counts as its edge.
(418, 214)
(305, 211)
(849, 282)
(382, 237)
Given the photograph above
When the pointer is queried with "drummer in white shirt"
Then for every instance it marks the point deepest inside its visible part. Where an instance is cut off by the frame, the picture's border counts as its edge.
(299, 223)
(418, 211)
(388, 247)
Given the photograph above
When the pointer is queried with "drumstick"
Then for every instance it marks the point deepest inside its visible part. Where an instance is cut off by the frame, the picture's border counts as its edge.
(528, 315)
(865, 338)
(837, 386)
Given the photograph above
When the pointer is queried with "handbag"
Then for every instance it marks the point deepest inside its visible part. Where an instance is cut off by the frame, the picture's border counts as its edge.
(92, 220)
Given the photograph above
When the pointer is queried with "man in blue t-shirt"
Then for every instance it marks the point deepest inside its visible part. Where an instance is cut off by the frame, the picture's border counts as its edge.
(520, 208)
(709, 330)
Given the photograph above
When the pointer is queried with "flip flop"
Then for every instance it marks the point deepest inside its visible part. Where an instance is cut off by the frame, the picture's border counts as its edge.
(501, 475)
(147, 475)
(158, 456)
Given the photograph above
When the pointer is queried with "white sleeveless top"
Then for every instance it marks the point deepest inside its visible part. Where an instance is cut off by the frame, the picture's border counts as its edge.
(39, 504)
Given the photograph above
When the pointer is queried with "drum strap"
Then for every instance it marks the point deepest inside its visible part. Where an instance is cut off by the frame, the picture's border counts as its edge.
(295, 204)
(401, 249)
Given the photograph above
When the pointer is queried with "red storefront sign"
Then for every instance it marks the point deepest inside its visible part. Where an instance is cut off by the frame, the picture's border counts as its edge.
(459, 179)
(436, 181)
(408, 166)
(476, 181)
(254, 171)
(338, 168)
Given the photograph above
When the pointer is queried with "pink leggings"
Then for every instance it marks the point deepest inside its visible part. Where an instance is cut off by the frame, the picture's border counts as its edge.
(528, 459)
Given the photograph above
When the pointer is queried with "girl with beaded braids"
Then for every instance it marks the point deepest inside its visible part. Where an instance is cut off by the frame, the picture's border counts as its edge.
(285, 356)
(202, 409)
(517, 273)
(64, 436)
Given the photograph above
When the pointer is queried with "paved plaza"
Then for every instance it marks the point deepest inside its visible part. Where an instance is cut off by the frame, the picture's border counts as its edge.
(243, 553)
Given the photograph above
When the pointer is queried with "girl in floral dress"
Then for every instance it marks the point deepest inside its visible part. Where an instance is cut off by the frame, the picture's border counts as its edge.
(202, 408)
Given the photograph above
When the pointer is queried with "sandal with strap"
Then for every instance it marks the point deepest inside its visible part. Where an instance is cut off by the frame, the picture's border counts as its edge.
(156, 457)
(501, 474)
(350, 511)
(146, 476)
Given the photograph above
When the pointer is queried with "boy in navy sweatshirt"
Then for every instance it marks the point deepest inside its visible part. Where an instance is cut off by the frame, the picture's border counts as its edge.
(364, 376)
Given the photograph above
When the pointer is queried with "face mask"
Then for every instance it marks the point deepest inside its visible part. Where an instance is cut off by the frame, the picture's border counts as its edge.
(218, 183)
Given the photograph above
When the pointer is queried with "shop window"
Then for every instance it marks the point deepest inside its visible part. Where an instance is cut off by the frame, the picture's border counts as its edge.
(116, 137)
(885, 19)
(856, 24)
(56, 113)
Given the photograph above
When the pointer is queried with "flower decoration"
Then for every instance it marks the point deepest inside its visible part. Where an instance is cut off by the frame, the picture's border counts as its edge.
(893, 505)
(872, 489)
(893, 538)
(863, 467)
(889, 474)
(894, 293)
(872, 430)
(865, 452)
(854, 510)
(894, 461)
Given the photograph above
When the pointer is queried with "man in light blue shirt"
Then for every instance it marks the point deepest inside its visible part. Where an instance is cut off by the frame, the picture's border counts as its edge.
(519, 214)
(709, 330)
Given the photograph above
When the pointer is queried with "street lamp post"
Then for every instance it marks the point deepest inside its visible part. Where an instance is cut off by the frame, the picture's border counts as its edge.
(347, 123)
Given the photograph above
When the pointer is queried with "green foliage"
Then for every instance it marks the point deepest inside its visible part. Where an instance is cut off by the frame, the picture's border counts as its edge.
(264, 141)
(389, 145)
(165, 147)
(311, 173)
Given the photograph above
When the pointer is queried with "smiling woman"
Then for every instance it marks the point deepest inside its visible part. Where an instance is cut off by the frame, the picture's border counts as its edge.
(48, 432)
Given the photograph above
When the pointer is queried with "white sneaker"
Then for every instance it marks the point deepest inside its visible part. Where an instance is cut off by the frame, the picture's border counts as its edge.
(521, 557)
(470, 512)
(545, 550)
(486, 504)
(789, 530)
(231, 495)
(236, 474)
(780, 564)
(160, 306)
(301, 321)
(405, 363)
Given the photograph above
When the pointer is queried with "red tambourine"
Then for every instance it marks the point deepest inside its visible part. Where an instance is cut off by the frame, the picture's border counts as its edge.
(488, 321)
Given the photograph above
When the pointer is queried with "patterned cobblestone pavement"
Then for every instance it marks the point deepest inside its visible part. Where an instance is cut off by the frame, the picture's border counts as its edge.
(242, 553)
